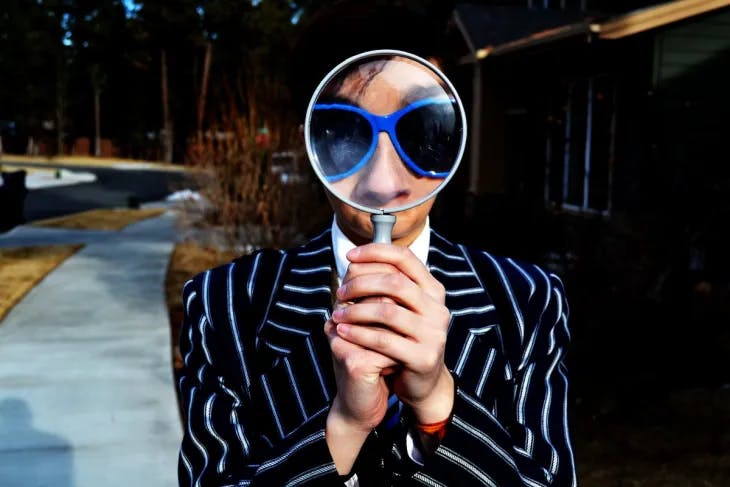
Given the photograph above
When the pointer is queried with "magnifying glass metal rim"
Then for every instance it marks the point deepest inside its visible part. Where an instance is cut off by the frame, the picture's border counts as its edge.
(335, 71)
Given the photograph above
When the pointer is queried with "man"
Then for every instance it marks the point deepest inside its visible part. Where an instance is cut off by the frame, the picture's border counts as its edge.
(342, 362)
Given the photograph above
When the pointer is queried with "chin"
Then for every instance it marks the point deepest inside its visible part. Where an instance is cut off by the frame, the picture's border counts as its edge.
(356, 225)
(407, 231)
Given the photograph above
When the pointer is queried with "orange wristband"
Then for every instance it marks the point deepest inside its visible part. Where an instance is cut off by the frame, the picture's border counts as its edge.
(436, 429)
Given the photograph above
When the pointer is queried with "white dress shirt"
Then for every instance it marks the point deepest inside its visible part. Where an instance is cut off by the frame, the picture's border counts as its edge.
(341, 245)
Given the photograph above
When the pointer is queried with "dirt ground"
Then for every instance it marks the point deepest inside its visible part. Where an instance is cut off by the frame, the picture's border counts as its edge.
(677, 439)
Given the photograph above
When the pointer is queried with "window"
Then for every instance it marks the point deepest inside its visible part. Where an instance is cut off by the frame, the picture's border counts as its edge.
(580, 145)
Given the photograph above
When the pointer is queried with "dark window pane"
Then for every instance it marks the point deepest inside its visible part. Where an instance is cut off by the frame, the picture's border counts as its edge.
(577, 141)
(603, 104)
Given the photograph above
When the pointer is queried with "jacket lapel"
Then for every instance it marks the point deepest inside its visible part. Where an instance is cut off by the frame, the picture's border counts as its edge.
(474, 342)
(295, 364)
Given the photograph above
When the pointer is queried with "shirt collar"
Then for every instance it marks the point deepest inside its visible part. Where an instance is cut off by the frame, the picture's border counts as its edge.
(341, 245)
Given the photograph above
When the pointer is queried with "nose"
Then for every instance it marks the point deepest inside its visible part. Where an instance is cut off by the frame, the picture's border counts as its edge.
(384, 181)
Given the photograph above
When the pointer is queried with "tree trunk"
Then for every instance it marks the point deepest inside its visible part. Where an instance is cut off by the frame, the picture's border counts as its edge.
(97, 122)
(60, 106)
(204, 91)
(97, 83)
(167, 121)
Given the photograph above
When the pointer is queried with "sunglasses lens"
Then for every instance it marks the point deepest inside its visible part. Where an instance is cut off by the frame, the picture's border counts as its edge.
(430, 135)
(340, 139)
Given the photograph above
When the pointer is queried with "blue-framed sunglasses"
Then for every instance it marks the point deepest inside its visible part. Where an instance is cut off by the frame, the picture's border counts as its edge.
(426, 134)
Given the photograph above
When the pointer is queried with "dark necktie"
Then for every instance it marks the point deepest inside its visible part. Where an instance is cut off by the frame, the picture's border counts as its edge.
(392, 415)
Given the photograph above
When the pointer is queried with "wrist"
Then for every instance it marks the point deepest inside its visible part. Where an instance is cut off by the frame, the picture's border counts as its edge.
(339, 423)
(344, 440)
(437, 407)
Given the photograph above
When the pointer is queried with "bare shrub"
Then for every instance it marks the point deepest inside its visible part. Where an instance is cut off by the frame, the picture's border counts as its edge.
(250, 204)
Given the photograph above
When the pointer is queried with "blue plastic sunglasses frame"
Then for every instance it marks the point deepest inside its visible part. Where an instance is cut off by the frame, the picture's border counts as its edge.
(387, 124)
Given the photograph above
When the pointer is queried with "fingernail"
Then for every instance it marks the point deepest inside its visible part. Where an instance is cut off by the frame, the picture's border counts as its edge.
(341, 291)
(337, 314)
(353, 253)
(343, 329)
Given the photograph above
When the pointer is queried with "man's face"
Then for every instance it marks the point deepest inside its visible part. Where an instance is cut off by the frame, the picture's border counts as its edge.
(394, 138)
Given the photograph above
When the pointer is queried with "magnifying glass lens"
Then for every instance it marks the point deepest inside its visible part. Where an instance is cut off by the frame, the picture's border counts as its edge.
(384, 131)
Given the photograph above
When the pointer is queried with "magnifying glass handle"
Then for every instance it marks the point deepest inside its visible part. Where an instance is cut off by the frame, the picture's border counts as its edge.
(382, 227)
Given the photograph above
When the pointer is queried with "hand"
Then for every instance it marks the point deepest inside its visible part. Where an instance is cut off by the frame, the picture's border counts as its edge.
(413, 322)
(362, 396)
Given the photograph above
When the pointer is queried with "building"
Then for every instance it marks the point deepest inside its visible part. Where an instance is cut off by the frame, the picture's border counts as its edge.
(597, 148)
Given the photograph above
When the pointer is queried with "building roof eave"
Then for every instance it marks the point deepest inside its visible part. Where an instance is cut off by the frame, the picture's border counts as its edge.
(495, 30)
(618, 27)
(649, 18)
(536, 39)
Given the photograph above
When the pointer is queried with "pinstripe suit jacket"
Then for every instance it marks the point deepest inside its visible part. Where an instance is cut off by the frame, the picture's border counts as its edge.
(258, 378)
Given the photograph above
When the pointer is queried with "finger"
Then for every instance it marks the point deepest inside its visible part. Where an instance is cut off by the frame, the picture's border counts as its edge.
(398, 287)
(403, 259)
(384, 342)
(358, 270)
(388, 371)
(329, 329)
(365, 268)
(391, 316)
(370, 299)
(344, 350)
(341, 303)
(356, 357)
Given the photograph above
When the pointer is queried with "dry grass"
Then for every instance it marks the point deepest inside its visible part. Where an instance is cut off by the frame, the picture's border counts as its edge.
(84, 161)
(114, 219)
(27, 168)
(21, 268)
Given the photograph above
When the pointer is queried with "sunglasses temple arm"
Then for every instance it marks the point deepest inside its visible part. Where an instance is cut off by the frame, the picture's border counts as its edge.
(382, 227)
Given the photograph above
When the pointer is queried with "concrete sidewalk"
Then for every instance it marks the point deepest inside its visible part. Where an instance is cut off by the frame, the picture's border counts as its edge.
(86, 385)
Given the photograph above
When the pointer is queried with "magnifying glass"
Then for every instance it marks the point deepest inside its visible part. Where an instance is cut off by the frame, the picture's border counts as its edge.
(385, 131)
